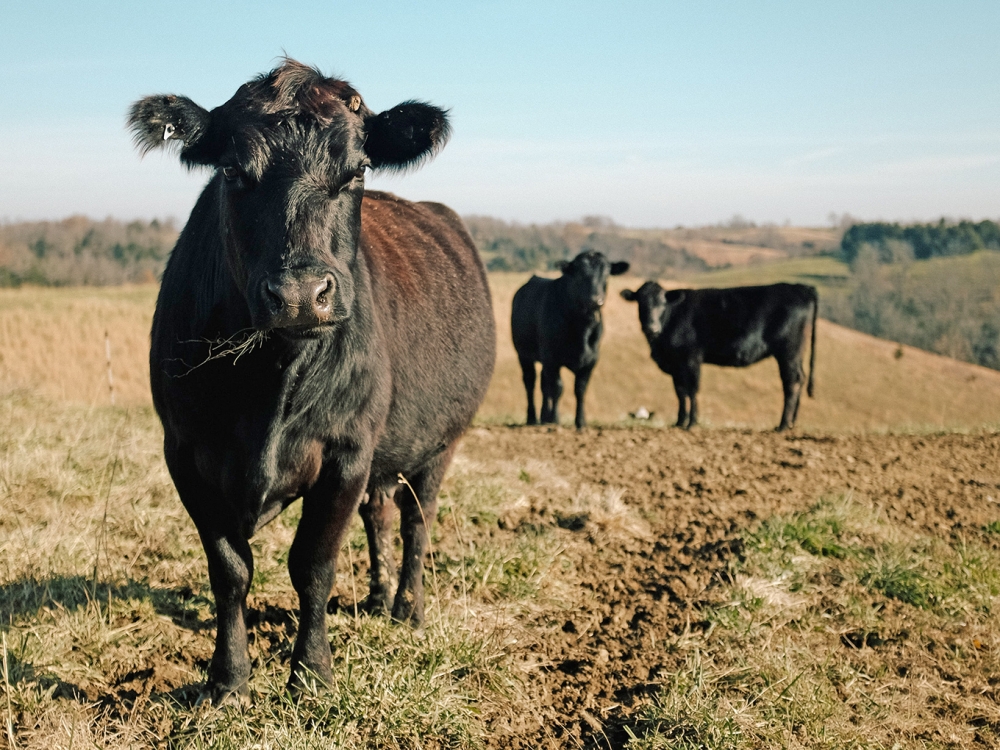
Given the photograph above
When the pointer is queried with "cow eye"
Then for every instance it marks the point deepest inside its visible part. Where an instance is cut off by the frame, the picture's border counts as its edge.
(230, 173)
(357, 174)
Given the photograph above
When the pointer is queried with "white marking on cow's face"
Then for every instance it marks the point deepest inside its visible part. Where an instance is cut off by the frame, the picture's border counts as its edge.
(168, 131)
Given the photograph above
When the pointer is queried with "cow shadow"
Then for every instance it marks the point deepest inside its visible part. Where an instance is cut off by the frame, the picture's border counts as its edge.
(26, 597)
(271, 624)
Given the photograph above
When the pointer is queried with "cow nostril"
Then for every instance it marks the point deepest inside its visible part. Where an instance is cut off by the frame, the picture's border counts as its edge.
(322, 296)
(273, 296)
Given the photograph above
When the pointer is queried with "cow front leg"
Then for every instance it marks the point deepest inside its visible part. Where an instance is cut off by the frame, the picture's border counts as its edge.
(230, 571)
(528, 378)
(417, 500)
(686, 384)
(792, 376)
(580, 383)
(326, 513)
(377, 512)
(552, 388)
(682, 410)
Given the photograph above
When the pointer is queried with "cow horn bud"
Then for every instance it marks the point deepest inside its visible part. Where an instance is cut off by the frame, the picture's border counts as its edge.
(355, 103)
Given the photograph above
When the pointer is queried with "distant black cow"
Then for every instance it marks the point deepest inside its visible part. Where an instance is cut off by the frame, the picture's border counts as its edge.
(729, 327)
(359, 333)
(558, 322)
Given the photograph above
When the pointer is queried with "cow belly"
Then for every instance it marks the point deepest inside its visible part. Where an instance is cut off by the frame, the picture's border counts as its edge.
(740, 354)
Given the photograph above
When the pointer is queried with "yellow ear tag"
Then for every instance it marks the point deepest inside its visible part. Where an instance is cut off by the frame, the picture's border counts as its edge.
(355, 103)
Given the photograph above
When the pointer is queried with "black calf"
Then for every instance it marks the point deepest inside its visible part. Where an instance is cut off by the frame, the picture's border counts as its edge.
(729, 327)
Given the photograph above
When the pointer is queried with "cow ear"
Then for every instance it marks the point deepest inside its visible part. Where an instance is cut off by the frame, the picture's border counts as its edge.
(676, 295)
(157, 121)
(560, 265)
(405, 135)
(617, 269)
(628, 294)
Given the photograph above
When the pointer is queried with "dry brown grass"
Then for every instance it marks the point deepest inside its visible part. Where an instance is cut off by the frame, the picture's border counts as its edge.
(52, 340)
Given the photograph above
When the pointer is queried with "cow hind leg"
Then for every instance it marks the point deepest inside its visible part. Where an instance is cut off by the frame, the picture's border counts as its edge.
(377, 513)
(528, 378)
(552, 388)
(692, 381)
(792, 377)
(326, 513)
(417, 500)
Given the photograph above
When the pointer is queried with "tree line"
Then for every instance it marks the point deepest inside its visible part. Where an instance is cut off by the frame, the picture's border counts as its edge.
(893, 242)
(932, 286)
(509, 246)
(79, 250)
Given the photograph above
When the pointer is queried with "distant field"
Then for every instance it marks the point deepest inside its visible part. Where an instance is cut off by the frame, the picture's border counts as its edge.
(52, 341)
(820, 271)
(722, 246)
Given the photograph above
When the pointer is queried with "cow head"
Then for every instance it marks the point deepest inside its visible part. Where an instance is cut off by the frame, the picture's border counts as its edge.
(654, 306)
(290, 150)
(587, 278)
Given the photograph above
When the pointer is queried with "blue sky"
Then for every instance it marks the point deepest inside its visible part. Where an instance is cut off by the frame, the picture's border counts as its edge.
(651, 113)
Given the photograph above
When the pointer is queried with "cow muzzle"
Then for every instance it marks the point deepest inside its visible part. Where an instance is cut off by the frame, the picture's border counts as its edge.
(297, 303)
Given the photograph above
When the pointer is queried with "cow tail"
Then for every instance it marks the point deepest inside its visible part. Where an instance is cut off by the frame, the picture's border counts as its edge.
(812, 346)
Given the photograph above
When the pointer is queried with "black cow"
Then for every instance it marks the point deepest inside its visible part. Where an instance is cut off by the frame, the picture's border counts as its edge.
(359, 333)
(558, 322)
(730, 327)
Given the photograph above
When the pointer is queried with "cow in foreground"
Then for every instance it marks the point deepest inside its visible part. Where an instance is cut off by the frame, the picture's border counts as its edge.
(310, 340)
(558, 322)
(730, 327)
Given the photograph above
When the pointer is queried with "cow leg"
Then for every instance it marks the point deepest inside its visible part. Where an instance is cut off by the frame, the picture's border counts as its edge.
(580, 391)
(792, 377)
(376, 512)
(326, 513)
(682, 411)
(693, 380)
(552, 388)
(230, 570)
(528, 378)
(417, 513)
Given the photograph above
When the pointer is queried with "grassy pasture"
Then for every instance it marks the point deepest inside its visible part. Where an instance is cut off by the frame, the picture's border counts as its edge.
(852, 616)
(628, 587)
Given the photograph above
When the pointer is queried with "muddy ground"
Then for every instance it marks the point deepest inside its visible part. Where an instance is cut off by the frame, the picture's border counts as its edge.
(592, 662)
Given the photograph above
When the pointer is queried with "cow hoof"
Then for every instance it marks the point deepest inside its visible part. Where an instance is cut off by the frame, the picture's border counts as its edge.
(305, 681)
(215, 695)
(404, 616)
(378, 606)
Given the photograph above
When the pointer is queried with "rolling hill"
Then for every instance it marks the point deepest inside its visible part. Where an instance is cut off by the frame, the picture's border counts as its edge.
(53, 341)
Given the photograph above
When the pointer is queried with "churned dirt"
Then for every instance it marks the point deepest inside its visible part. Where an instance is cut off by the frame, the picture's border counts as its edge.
(591, 661)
